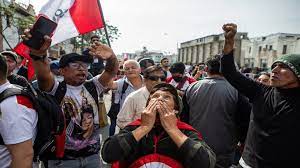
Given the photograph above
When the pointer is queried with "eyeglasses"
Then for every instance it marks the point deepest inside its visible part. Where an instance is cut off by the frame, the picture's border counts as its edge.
(77, 65)
(156, 78)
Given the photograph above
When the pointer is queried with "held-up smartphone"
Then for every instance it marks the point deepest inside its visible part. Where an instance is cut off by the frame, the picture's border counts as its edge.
(42, 27)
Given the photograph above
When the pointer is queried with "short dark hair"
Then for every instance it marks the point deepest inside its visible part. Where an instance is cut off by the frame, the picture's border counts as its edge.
(95, 36)
(150, 69)
(177, 67)
(3, 67)
(163, 59)
(213, 64)
(143, 62)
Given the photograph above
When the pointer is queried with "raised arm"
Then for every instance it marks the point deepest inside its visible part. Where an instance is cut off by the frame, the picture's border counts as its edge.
(112, 65)
(40, 63)
(243, 84)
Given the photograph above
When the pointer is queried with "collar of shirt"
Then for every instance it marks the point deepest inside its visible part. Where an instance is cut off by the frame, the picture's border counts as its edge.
(4, 86)
(127, 80)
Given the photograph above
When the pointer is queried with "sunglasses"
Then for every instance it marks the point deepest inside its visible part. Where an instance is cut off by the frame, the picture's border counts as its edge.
(156, 78)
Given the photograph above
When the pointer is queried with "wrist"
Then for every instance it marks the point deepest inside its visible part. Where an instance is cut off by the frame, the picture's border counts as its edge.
(38, 57)
(140, 132)
(173, 131)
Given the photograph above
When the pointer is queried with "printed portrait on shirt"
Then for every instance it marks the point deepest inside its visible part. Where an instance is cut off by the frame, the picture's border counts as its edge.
(82, 132)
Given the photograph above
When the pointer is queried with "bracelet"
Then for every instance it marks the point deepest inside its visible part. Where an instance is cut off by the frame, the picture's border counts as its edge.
(38, 58)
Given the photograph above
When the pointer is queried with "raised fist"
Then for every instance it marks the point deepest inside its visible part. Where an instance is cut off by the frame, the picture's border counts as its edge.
(229, 31)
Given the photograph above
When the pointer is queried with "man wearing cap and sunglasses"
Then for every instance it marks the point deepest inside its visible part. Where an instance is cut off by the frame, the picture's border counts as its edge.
(11, 61)
(75, 94)
(135, 102)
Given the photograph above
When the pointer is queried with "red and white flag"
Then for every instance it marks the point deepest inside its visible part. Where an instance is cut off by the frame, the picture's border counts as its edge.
(74, 17)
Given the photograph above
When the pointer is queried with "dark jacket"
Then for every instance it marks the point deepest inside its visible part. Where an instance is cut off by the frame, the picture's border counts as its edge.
(276, 115)
(123, 147)
(216, 109)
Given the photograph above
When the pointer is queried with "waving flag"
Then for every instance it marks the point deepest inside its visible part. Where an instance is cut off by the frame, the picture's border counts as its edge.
(74, 17)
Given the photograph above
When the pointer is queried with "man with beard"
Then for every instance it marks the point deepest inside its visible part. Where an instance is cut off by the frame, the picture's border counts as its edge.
(74, 69)
(179, 79)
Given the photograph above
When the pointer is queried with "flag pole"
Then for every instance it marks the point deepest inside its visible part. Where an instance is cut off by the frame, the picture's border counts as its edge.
(103, 20)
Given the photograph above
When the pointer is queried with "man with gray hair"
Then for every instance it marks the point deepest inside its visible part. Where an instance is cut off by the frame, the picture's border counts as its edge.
(123, 87)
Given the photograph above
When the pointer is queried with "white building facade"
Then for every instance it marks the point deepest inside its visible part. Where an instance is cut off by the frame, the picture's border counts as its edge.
(263, 51)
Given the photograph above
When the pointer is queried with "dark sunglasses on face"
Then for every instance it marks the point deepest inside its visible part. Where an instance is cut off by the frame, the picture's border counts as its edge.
(156, 78)
(77, 65)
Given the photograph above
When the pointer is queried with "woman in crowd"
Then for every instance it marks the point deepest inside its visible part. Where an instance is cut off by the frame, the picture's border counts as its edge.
(159, 139)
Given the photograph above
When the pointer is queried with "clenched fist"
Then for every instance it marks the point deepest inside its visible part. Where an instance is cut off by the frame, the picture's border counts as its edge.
(230, 30)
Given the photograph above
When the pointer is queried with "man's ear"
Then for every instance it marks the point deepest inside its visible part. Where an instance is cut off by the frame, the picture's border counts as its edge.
(61, 71)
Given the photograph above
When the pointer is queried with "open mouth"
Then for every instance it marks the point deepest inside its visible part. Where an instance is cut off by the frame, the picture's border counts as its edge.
(81, 76)
(274, 78)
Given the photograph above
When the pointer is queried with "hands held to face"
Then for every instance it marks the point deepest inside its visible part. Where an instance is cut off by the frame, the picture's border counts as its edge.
(167, 116)
(168, 121)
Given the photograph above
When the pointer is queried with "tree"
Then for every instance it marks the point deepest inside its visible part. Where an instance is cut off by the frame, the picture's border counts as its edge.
(84, 40)
(20, 22)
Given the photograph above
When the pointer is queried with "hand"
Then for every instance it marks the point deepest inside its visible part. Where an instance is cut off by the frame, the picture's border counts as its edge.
(200, 72)
(43, 50)
(167, 117)
(230, 30)
(101, 51)
(148, 116)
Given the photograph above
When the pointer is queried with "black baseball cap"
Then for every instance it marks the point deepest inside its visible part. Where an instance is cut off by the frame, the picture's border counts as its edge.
(72, 57)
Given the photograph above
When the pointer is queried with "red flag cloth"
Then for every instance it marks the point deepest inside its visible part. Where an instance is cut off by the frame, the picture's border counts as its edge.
(22, 50)
(73, 17)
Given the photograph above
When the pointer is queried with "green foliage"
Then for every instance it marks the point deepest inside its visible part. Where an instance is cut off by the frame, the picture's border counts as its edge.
(7, 10)
(20, 23)
(84, 40)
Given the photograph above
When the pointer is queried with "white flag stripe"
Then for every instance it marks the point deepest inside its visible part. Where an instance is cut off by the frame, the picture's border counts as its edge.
(74, 17)
(65, 26)
(52, 7)
(65, 30)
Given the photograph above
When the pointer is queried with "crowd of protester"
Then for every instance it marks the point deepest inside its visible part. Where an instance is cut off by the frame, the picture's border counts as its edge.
(162, 115)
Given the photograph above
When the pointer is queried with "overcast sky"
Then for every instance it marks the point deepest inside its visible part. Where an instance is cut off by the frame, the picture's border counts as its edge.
(162, 24)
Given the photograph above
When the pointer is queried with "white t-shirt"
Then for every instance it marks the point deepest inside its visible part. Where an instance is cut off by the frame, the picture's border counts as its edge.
(81, 112)
(18, 122)
(133, 107)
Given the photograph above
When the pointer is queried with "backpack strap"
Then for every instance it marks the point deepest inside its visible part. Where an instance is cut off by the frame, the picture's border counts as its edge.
(8, 93)
(61, 91)
(91, 88)
(124, 88)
